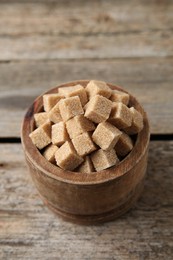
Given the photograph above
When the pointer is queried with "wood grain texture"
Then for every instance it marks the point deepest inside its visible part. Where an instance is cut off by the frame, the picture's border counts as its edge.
(150, 80)
(68, 29)
(36, 47)
(115, 17)
(28, 230)
(72, 31)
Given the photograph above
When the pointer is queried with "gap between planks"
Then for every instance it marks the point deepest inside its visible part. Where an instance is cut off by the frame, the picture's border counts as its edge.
(85, 59)
(153, 137)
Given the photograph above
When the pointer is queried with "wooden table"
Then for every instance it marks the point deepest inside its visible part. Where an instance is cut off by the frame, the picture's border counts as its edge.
(45, 43)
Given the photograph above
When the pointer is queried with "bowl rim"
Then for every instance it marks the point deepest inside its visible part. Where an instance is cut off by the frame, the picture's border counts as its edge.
(34, 156)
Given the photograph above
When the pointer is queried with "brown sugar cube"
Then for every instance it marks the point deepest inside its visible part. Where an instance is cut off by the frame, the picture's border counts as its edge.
(86, 105)
(137, 122)
(86, 166)
(106, 135)
(124, 145)
(67, 158)
(104, 159)
(49, 152)
(120, 96)
(50, 100)
(83, 144)
(120, 115)
(78, 125)
(59, 134)
(41, 136)
(40, 118)
(95, 87)
(70, 107)
(98, 109)
(54, 114)
(77, 90)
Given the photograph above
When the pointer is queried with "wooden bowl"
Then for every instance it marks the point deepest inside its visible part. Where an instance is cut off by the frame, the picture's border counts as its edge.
(81, 197)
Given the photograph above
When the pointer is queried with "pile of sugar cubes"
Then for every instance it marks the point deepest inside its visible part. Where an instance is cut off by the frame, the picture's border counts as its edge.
(86, 129)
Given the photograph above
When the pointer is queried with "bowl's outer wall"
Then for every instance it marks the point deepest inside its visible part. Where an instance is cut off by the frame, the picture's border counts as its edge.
(100, 195)
(89, 199)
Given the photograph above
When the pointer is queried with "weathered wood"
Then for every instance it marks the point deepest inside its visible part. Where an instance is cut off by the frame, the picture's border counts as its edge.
(77, 18)
(150, 80)
(28, 230)
(72, 31)
(36, 47)
(34, 30)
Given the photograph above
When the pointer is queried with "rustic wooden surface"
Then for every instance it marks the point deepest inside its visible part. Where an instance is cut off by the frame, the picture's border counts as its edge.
(77, 17)
(45, 43)
(127, 44)
(112, 29)
(28, 230)
(150, 80)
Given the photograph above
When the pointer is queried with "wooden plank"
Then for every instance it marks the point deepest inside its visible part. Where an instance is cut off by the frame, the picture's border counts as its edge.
(76, 17)
(72, 31)
(28, 230)
(150, 80)
(36, 47)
